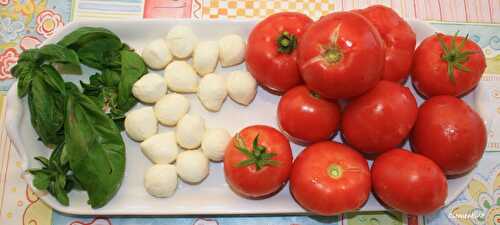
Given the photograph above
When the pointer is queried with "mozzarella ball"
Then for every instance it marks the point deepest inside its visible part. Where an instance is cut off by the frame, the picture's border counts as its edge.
(189, 131)
(231, 50)
(141, 123)
(192, 166)
(241, 87)
(205, 57)
(171, 108)
(212, 91)
(161, 148)
(161, 180)
(181, 77)
(150, 88)
(156, 54)
(181, 40)
(214, 143)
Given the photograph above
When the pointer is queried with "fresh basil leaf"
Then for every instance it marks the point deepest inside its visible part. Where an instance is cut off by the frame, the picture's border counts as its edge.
(44, 161)
(60, 194)
(46, 107)
(41, 181)
(97, 53)
(110, 78)
(133, 68)
(53, 78)
(31, 55)
(84, 35)
(95, 147)
(54, 53)
(24, 72)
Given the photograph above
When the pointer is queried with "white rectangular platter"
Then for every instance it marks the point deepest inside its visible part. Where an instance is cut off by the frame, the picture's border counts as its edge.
(213, 196)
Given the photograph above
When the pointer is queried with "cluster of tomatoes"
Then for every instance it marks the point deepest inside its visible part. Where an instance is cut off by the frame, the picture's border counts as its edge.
(360, 59)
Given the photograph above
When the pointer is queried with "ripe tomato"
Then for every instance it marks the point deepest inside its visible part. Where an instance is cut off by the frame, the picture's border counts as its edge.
(409, 182)
(341, 55)
(271, 53)
(306, 117)
(257, 161)
(381, 119)
(447, 65)
(449, 132)
(399, 41)
(330, 178)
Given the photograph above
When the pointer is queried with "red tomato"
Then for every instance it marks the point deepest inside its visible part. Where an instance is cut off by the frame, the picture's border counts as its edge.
(330, 178)
(409, 182)
(271, 55)
(306, 117)
(447, 65)
(258, 161)
(381, 119)
(449, 132)
(399, 41)
(341, 55)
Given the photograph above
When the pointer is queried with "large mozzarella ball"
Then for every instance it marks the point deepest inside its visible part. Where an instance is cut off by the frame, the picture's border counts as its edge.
(181, 77)
(212, 91)
(205, 57)
(214, 143)
(150, 88)
(181, 40)
(161, 180)
(157, 54)
(171, 108)
(231, 50)
(161, 148)
(141, 123)
(189, 131)
(192, 166)
(241, 87)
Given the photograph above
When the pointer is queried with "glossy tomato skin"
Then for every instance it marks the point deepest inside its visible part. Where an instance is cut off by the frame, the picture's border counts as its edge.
(449, 132)
(409, 182)
(273, 69)
(330, 178)
(306, 117)
(430, 72)
(345, 67)
(249, 182)
(381, 119)
(399, 41)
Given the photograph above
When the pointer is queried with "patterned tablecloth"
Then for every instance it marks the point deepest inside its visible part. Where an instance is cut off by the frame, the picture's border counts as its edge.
(26, 23)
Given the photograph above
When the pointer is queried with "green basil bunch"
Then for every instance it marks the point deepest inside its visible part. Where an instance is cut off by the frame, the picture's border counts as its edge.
(84, 127)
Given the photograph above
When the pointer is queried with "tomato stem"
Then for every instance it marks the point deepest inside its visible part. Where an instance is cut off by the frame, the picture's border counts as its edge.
(314, 95)
(286, 43)
(258, 156)
(454, 55)
(335, 171)
(332, 55)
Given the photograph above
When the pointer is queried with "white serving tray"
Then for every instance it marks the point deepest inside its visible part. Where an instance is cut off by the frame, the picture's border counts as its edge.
(213, 196)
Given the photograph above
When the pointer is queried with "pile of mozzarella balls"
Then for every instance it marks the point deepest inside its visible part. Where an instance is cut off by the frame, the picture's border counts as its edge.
(191, 145)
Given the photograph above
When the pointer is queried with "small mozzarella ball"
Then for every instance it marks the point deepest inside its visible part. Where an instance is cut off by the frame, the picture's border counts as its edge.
(205, 57)
(192, 166)
(181, 41)
(189, 131)
(156, 54)
(141, 123)
(150, 88)
(214, 143)
(231, 50)
(181, 77)
(171, 108)
(161, 148)
(161, 180)
(212, 91)
(241, 87)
